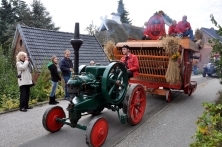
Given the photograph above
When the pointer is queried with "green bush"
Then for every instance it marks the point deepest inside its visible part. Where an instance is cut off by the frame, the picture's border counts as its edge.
(209, 127)
(8, 76)
(9, 89)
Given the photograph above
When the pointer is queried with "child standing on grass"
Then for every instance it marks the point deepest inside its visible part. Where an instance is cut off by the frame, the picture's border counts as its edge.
(55, 78)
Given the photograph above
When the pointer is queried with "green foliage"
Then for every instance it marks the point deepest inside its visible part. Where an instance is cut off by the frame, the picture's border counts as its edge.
(40, 17)
(209, 132)
(123, 13)
(92, 29)
(217, 49)
(8, 77)
(17, 11)
(38, 91)
(9, 89)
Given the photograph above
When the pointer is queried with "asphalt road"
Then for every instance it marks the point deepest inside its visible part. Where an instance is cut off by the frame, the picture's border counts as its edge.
(26, 130)
(174, 125)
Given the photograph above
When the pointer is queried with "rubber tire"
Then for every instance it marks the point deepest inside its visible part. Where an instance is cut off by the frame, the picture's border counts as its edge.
(97, 130)
(51, 125)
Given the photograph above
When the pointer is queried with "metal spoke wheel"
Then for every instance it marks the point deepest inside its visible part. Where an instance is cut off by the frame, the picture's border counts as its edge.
(134, 104)
(49, 119)
(96, 132)
(168, 96)
(114, 82)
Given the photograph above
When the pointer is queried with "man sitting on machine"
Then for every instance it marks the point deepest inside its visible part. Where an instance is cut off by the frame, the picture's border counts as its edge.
(131, 62)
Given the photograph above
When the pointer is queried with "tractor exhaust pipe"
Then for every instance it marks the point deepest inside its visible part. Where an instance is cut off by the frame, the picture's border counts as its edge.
(76, 44)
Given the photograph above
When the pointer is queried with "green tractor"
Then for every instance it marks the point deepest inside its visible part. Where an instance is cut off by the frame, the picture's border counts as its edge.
(93, 88)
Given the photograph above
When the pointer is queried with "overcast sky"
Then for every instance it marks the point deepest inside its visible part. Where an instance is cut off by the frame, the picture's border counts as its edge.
(66, 12)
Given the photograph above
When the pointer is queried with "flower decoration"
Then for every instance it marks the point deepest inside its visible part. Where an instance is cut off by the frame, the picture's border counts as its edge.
(176, 56)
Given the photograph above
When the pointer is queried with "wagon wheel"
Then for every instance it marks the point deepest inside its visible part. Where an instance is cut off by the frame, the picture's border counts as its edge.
(96, 132)
(134, 104)
(49, 119)
(114, 82)
(96, 112)
(168, 96)
(190, 90)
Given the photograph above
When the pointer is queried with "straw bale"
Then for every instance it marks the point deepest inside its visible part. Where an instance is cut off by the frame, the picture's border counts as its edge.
(109, 48)
(171, 46)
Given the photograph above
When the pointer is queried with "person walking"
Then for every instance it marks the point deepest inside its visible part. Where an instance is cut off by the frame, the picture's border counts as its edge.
(66, 66)
(24, 79)
(195, 67)
(55, 78)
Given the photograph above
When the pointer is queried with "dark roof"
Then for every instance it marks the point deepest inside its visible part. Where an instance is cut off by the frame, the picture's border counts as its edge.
(119, 32)
(42, 44)
(212, 33)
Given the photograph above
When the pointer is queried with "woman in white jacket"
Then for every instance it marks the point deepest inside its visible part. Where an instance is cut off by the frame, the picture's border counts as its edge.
(24, 80)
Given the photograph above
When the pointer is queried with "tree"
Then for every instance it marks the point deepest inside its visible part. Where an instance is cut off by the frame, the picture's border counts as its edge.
(12, 12)
(92, 29)
(217, 48)
(17, 11)
(123, 13)
(40, 17)
(6, 18)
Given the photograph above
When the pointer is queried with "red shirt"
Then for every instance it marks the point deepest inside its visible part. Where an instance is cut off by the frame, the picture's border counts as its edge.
(133, 63)
(181, 26)
(172, 30)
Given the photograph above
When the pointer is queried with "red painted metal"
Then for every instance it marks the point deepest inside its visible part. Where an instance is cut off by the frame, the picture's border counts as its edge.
(99, 132)
(137, 104)
(155, 27)
(50, 121)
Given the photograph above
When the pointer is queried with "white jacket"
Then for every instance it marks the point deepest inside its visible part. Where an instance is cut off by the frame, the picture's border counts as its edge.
(26, 76)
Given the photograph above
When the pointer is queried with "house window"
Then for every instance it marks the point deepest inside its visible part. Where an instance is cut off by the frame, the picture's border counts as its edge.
(20, 43)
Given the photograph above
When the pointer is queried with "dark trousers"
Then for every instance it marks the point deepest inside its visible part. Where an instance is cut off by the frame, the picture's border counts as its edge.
(24, 96)
(130, 74)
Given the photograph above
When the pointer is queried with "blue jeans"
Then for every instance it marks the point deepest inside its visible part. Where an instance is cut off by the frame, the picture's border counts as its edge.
(190, 33)
(195, 70)
(54, 87)
(66, 79)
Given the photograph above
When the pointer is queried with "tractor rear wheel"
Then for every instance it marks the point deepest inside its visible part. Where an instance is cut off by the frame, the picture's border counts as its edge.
(49, 119)
(96, 132)
(134, 104)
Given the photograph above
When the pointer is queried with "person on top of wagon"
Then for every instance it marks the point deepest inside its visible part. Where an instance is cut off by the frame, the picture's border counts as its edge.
(184, 29)
(131, 61)
(172, 31)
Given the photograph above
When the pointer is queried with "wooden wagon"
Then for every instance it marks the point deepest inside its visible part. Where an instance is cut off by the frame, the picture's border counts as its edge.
(153, 64)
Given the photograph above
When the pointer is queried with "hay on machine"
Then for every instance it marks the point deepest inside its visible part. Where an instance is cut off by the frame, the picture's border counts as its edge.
(171, 46)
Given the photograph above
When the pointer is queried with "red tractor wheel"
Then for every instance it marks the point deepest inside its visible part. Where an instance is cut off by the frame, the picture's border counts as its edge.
(135, 102)
(49, 119)
(168, 96)
(97, 132)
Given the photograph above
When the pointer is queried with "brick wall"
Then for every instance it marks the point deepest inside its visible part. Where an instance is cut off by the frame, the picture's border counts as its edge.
(19, 46)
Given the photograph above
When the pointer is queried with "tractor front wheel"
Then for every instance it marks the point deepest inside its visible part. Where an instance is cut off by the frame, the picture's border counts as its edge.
(96, 132)
(49, 119)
